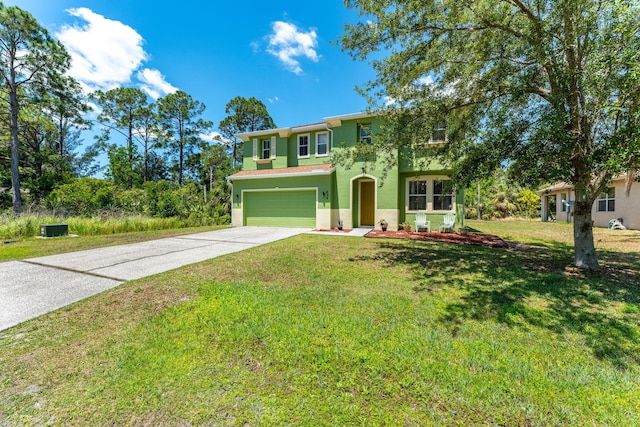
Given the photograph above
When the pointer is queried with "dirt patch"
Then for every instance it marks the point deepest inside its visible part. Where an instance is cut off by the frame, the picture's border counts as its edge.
(476, 239)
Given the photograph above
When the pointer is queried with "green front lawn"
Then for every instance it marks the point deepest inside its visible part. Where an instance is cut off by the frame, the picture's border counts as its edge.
(320, 330)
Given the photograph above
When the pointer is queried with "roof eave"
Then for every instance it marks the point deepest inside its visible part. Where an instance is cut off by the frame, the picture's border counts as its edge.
(319, 172)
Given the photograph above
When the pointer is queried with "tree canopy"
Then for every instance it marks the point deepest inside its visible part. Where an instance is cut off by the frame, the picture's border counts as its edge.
(179, 117)
(32, 64)
(549, 87)
(244, 115)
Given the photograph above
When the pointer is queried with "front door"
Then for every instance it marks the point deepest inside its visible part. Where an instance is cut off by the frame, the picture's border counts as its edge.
(367, 203)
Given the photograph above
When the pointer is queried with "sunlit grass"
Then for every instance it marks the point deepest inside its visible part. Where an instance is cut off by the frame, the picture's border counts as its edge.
(319, 330)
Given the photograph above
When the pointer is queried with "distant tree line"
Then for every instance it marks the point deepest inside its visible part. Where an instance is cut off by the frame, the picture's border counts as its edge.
(159, 162)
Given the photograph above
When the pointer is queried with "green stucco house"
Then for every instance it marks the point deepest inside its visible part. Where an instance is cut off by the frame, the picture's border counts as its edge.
(288, 180)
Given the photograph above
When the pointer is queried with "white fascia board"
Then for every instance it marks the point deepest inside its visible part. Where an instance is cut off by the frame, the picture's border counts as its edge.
(334, 121)
(246, 136)
(309, 128)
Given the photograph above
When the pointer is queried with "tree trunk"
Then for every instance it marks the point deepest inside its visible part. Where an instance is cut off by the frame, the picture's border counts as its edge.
(585, 251)
(15, 151)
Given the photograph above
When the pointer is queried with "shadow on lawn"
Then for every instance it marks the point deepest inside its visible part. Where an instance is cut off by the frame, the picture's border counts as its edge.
(530, 285)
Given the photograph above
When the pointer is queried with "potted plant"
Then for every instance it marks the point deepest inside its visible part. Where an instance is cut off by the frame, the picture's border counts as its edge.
(383, 224)
(340, 224)
(406, 226)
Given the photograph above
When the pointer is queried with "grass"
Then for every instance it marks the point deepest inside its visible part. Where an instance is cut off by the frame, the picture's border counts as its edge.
(35, 246)
(321, 330)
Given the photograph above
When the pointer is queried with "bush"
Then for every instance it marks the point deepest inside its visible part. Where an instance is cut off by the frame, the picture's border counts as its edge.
(83, 196)
(26, 226)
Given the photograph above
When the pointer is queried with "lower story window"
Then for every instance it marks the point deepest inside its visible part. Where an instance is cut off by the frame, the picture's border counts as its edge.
(607, 200)
(417, 195)
(442, 196)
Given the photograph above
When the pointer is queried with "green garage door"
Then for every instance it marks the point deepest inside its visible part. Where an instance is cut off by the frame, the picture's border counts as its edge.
(280, 208)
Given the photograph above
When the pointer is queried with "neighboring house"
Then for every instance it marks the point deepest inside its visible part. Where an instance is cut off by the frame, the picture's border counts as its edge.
(288, 179)
(613, 203)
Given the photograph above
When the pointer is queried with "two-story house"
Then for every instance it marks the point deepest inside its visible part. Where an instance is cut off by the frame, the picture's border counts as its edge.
(288, 179)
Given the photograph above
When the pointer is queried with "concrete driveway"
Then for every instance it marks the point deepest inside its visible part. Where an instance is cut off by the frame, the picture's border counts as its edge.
(36, 286)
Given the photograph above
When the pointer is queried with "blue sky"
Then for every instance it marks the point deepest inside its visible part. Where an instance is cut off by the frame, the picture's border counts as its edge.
(279, 52)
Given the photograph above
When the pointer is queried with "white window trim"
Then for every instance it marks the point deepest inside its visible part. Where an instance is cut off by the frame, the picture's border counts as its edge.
(606, 199)
(440, 126)
(433, 197)
(308, 146)
(262, 150)
(426, 195)
(317, 137)
(430, 180)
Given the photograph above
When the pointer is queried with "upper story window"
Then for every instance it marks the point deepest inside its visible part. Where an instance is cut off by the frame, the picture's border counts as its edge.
(303, 145)
(439, 133)
(442, 195)
(266, 149)
(607, 200)
(417, 195)
(364, 133)
(322, 144)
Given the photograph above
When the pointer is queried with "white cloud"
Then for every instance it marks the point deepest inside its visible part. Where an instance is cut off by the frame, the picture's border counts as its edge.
(154, 83)
(287, 43)
(104, 53)
(425, 81)
(212, 137)
(94, 110)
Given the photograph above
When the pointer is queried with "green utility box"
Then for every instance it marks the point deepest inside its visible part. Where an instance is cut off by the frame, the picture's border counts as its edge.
(54, 230)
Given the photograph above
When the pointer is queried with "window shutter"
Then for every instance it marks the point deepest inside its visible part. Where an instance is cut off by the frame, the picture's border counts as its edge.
(273, 147)
(255, 149)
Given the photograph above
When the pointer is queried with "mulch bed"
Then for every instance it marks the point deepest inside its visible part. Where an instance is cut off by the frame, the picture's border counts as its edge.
(477, 239)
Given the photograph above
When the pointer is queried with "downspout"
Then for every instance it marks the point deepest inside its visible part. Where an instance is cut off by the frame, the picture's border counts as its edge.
(331, 138)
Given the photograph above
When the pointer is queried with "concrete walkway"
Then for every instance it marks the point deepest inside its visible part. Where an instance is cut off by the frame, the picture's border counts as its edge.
(355, 232)
(36, 286)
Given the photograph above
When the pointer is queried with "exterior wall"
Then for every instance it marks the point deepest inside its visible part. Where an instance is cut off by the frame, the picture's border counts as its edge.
(348, 177)
(280, 161)
(419, 160)
(314, 158)
(627, 208)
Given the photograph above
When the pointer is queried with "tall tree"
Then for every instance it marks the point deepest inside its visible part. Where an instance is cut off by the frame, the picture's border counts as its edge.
(548, 86)
(67, 107)
(37, 133)
(122, 111)
(243, 115)
(178, 115)
(31, 60)
(148, 134)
